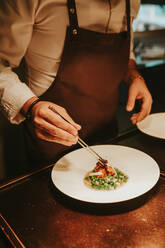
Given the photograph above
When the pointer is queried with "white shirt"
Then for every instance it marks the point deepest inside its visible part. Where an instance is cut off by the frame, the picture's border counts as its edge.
(36, 29)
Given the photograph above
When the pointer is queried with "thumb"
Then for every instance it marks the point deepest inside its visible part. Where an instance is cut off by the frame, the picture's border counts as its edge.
(131, 102)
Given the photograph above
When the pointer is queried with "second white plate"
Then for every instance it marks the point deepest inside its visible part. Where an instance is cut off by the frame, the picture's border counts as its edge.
(153, 125)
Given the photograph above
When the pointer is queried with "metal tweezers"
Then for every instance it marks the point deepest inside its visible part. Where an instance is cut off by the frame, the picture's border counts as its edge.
(82, 143)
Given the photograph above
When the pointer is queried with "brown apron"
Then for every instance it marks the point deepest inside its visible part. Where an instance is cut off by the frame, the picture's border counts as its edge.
(91, 69)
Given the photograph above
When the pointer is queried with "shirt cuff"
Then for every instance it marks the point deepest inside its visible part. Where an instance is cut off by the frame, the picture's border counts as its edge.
(14, 94)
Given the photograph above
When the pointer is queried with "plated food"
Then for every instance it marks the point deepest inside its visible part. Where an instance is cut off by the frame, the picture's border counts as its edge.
(105, 177)
(69, 171)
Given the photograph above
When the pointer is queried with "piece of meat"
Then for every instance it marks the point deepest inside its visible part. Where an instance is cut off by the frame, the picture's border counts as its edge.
(104, 169)
(110, 170)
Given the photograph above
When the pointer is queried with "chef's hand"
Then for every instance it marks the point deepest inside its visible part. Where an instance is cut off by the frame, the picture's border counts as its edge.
(138, 91)
(50, 126)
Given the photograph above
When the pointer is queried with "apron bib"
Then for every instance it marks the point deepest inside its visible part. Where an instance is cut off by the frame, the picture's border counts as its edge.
(92, 66)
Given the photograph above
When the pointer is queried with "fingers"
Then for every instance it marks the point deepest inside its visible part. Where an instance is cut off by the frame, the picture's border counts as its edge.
(59, 122)
(145, 110)
(50, 126)
(46, 136)
(139, 91)
(131, 101)
(50, 132)
(64, 113)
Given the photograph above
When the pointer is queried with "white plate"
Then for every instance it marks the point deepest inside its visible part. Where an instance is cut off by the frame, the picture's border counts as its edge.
(68, 173)
(153, 125)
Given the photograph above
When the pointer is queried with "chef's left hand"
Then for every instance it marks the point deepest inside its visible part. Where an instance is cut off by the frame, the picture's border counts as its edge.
(138, 91)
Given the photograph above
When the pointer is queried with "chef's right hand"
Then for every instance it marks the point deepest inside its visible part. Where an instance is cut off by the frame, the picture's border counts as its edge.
(50, 126)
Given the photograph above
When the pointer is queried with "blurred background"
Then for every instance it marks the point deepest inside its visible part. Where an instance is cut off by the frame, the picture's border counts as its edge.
(149, 49)
(149, 35)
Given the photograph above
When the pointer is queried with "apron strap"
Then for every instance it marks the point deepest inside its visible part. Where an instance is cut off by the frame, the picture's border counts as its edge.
(74, 20)
(128, 16)
(73, 16)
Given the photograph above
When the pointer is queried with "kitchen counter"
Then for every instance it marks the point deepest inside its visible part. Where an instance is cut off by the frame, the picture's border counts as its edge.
(39, 216)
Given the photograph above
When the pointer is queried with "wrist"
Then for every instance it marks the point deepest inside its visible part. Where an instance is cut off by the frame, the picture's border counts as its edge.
(132, 75)
(27, 105)
(132, 72)
(132, 64)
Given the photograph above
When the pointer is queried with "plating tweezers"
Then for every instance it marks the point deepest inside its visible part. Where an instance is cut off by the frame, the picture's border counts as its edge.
(81, 142)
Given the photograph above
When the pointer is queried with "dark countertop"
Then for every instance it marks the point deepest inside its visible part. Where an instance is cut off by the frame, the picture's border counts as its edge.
(42, 217)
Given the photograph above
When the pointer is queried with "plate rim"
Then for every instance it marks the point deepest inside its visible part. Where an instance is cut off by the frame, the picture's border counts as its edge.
(141, 130)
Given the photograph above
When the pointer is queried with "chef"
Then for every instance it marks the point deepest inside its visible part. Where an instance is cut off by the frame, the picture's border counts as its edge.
(67, 57)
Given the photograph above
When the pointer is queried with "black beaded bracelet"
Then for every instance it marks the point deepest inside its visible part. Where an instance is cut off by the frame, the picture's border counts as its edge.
(28, 113)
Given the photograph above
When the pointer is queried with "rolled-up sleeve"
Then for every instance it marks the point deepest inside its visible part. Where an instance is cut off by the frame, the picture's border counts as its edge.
(16, 27)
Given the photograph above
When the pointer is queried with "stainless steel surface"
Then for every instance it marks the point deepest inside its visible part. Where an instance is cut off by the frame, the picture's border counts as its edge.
(10, 234)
